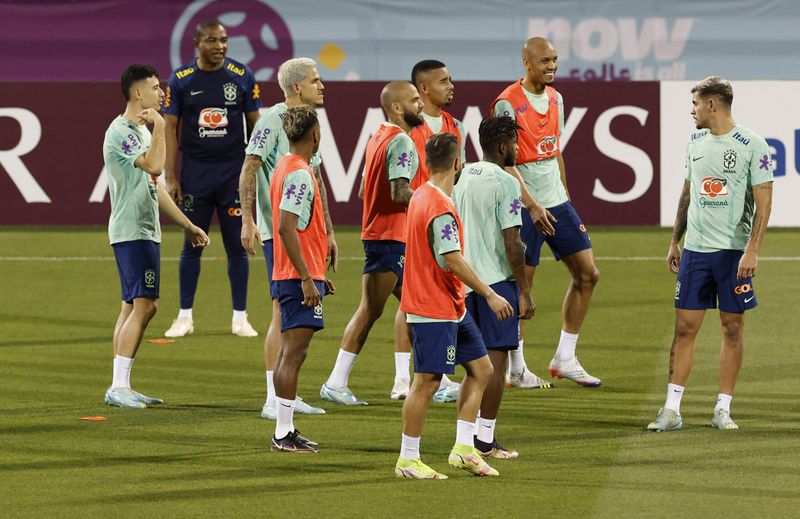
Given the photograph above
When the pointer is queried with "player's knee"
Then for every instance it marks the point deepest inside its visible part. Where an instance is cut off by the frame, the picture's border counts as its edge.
(146, 307)
(373, 312)
(733, 331)
(189, 252)
(587, 278)
(685, 329)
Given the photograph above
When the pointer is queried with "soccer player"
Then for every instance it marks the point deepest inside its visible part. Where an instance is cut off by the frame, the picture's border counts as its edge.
(539, 110)
(488, 202)
(435, 87)
(443, 333)
(134, 158)
(299, 272)
(391, 163)
(207, 98)
(301, 85)
(724, 209)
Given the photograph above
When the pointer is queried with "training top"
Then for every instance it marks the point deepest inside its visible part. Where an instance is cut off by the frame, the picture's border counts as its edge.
(294, 189)
(420, 135)
(722, 170)
(133, 192)
(429, 290)
(211, 106)
(390, 155)
(269, 142)
(489, 201)
(541, 136)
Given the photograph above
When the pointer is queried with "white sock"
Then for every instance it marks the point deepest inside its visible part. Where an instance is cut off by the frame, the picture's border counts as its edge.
(465, 432)
(270, 387)
(341, 370)
(402, 363)
(516, 364)
(185, 312)
(486, 430)
(409, 447)
(122, 372)
(723, 402)
(674, 395)
(240, 315)
(566, 346)
(478, 420)
(285, 423)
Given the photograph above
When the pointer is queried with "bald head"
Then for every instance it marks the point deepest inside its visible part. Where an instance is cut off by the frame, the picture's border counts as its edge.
(540, 60)
(400, 100)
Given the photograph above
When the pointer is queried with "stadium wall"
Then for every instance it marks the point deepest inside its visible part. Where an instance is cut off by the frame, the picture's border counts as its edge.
(623, 146)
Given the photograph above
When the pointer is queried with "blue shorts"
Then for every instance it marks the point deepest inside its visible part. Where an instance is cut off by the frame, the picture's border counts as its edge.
(294, 314)
(497, 334)
(139, 267)
(215, 183)
(439, 346)
(267, 247)
(385, 255)
(705, 277)
(570, 237)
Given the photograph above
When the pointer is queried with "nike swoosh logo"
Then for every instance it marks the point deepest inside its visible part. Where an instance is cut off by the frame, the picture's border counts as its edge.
(747, 300)
(193, 93)
(695, 159)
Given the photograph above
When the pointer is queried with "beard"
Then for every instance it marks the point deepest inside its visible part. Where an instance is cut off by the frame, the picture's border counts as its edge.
(412, 119)
(510, 161)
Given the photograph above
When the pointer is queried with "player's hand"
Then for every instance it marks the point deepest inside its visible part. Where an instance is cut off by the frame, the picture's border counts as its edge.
(526, 306)
(747, 265)
(249, 236)
(310, 293)
(196, 236)
(174, 189)
(541, 219)
(499, 306)
(674, 257)
(330, 288)
(149, 116)
(333, 253)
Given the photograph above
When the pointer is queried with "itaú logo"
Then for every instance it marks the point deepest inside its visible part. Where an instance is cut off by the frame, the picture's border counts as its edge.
(743, 289)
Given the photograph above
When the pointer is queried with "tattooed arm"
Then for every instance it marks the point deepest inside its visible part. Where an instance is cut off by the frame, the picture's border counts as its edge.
(762, 195)
(674, 253)
(247, 196)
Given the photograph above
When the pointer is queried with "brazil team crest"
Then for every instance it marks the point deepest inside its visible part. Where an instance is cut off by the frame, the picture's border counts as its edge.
(451, 354)
(229, 89)
(729, 160)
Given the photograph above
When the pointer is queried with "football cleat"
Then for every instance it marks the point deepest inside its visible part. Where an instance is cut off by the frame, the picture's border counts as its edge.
(270, 409)
(400, 389)
(415, 469)
(341, 396)
(242, 328)
(147, 400)
(446, 394)
(124, 398)
(573, 371)
(667, 420)
(494, 450)
(527, 380)
(722, 420)
(292, 442)
(468, 459)
(181, 327)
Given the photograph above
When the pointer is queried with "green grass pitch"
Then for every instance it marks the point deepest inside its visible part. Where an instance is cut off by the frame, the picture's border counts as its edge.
(583, 451)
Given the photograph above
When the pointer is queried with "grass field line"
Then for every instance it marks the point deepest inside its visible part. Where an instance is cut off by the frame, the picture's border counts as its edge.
(342, 258)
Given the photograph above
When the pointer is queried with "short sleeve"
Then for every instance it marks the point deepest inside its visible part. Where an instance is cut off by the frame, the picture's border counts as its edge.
(298, 192)
(263, 139)
(508, 203)
(503, 108)
(687, 163)
(173, 97)
(560, 114)
(126, 144)
(761, 168)
(463, 133)
(401, 158)
(252, 97)
(445, 234)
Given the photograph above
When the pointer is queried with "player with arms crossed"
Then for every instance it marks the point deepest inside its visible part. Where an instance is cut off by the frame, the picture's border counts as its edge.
(299, 272)
(134, 158)
(724, 209)
(391, 163)
(539, 110)
(488, 201)
(207, 99)
(301, 85)
(443, 332)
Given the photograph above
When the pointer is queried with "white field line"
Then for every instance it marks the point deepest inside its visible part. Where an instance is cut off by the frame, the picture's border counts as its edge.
(342, 258)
